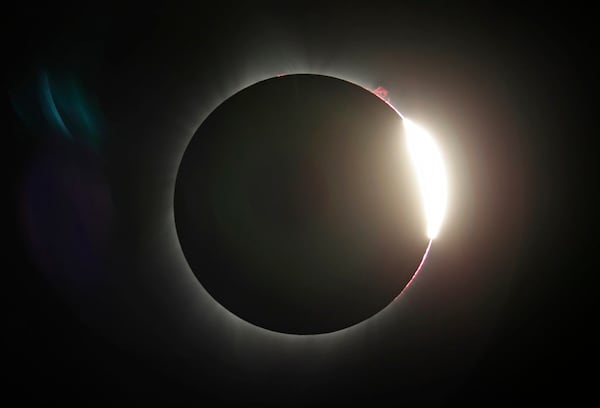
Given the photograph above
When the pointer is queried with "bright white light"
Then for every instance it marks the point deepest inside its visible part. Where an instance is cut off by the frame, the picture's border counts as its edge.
(431, 175)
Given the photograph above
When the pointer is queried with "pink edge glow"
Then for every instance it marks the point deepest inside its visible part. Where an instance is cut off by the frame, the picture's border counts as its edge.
(384, 95)
(417, 271)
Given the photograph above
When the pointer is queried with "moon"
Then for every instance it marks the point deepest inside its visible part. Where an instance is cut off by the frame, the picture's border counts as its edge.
(297, 208)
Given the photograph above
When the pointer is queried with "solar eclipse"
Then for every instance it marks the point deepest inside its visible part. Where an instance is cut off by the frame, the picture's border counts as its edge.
(302, 193)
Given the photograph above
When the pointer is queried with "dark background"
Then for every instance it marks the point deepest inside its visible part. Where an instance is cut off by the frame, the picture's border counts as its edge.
(520, 82)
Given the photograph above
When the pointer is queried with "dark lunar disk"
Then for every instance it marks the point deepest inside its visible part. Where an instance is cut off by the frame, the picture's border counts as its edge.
(296, 205)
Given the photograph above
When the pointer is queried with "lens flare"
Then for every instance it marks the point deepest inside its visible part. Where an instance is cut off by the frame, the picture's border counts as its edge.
(431, 175)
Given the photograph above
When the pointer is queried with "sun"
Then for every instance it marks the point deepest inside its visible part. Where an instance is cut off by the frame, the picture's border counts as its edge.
(431, 174)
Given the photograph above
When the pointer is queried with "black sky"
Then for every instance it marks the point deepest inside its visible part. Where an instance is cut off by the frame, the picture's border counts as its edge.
(511, 318)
